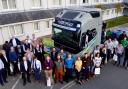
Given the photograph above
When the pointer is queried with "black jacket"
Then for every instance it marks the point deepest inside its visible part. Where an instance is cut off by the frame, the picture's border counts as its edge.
(54, 57)
(17, 41)
(126, 52)
(4, 61)
(22, 67)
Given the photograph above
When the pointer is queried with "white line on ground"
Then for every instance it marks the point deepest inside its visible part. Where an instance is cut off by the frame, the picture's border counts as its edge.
(51, 87)
(65, 86)
(14, 86)
(70, 85)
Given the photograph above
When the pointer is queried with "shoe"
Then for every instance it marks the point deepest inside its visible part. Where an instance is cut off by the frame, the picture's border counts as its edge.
(61, 82)
(2, 84)
(126, 68)
(29, 81)
(67, 81)
(6, 81)
(79, 82)
(24, 84)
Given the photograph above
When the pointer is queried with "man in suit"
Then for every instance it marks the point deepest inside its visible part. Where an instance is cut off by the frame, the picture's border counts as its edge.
(2, 73)
(37, 67)
(54, 54)
(26, 46)
(20, 52)
(6, 64)
(25, 68)
(15, 42)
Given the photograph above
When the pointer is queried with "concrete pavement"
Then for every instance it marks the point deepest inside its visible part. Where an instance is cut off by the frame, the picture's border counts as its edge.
(111, 77)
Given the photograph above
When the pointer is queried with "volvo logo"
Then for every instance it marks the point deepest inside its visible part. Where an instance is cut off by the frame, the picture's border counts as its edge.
(65, 23)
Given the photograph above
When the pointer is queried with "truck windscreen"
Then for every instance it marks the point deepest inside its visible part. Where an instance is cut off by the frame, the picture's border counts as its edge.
(65, 35)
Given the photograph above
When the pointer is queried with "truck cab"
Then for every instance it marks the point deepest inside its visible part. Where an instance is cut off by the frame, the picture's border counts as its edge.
(75, 28)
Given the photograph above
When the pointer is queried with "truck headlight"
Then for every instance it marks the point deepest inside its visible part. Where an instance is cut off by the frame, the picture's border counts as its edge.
(78, 25)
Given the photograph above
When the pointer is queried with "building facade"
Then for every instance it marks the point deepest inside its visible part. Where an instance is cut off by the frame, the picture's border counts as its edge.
(25, 17)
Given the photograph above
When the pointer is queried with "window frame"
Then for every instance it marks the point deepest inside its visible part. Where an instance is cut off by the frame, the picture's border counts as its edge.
(15, 30)
(59, 3)
(85, 1)
(33, 4)
(8, 6)
(72, 3)
(38, 26)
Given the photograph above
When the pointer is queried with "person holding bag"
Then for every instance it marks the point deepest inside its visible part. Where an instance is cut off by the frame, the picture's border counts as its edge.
(97, 63)
(48, 69)
(119, 51)
(78, 67)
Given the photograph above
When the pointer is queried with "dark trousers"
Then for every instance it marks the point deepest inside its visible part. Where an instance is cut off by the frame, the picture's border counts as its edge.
(119, 59)
(78, 75)
(68, 74)
(8, 68)
(85, 73)
(103, 59)
(8, 65)
(125, 61)
(108, 54)
(37, 74)
(2, 76)
(15, 67)
(26, 77)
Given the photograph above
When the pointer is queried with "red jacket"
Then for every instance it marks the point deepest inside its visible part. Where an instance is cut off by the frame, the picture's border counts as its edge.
(48, 65)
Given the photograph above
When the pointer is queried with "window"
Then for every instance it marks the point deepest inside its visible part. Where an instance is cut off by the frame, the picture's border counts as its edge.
(36, 3)
(107, 12)
(85, 1)
(113, 11)
(9, 4)
(73, 1)
(96, 1)
(95, 14)
(46, 24)
(16, 30)
(57, 2)
(112, 0)
(36, 26)
(105, 0)
(103, 12)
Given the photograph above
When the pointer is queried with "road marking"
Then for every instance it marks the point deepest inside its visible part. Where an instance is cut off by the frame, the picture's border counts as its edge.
(65, 86)
(14, 86)
(70, 85)
(51, 87)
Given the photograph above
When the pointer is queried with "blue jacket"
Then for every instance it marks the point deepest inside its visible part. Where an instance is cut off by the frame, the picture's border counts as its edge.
(69, 63)
(13, 56)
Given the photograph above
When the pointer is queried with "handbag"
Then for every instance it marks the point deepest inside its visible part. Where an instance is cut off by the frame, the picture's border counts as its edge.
(49, 82)
(115, 57)
(97, 71)
(11, 68)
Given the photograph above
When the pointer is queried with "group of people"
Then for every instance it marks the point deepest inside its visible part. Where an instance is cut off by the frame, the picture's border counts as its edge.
(118, 48)
(28, 58)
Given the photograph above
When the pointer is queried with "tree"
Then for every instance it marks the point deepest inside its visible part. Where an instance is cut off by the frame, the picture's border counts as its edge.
(100, 6)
